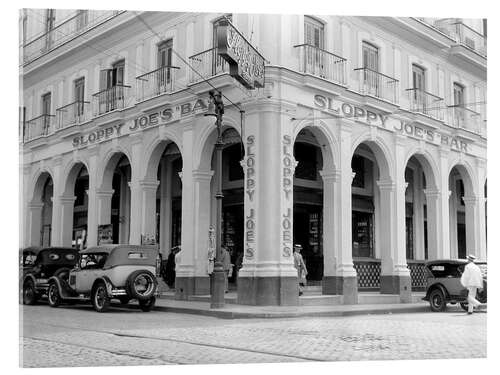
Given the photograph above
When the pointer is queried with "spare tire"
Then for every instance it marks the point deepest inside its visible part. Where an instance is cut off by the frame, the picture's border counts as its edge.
(141, 284)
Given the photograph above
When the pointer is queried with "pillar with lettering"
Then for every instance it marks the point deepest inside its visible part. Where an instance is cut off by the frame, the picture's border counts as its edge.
(268, 276)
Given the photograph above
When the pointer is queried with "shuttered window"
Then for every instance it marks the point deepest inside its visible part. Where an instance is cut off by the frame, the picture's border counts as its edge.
(370, 56)
(314, 32)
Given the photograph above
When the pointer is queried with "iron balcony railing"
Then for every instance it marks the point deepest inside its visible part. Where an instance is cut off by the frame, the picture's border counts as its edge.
(377, 84)
(208, 64)
(71, 114)
(110, 99)
(462, 34)
(157, 82)
(426, 103)
(464, 118)
(40, 126)
(320, 63)
(68, 29)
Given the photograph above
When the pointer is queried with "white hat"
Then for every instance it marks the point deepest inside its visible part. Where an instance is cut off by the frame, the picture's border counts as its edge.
(471, 257)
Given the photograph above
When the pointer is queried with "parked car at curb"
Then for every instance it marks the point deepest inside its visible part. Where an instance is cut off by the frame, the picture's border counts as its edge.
(443, 284)
(38, 264)
(103, 273)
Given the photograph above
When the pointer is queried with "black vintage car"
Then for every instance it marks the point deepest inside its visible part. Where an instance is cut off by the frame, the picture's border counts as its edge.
(444, 286)
(39, 264)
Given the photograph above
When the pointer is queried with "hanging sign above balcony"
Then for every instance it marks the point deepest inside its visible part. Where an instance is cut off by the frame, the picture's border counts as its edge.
(245, 63)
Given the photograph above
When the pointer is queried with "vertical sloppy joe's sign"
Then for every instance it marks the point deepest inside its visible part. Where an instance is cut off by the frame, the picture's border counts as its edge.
(245, 63)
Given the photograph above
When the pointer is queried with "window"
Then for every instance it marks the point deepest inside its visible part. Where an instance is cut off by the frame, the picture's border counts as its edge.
(113, 77)
(458, 95)
(314, 32)
(418, 75)
(46, 99)
(93, 261)
(370, 56)
(164, 60)
(362, 234)
(79, 95)
(82, 19)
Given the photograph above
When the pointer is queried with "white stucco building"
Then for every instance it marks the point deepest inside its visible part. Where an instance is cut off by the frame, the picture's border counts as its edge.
(367, 144)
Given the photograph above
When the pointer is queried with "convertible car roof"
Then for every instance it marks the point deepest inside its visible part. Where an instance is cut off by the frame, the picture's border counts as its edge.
(37, 249)
(450, 261)
(110, 247)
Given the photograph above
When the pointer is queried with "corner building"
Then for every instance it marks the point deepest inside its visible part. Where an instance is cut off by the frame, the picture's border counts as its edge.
(367, 144)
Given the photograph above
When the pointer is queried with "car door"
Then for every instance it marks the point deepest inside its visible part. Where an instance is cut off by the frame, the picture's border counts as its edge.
(453, 284)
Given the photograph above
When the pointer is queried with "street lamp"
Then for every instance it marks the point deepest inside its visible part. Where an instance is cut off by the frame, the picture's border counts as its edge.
(218, 279)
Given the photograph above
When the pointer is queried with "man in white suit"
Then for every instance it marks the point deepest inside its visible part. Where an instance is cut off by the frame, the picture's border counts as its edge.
(472, 279)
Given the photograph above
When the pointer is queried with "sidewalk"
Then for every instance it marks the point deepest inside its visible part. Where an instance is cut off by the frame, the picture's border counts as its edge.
(235, 311)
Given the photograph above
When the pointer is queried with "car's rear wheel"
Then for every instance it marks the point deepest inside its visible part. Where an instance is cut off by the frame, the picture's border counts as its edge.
(100, 299)
(437, 301)
(141, 285)
(53, 295)
(147, 304)
(29, 293)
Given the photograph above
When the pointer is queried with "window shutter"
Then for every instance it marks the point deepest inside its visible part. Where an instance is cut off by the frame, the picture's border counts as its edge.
(103, 79)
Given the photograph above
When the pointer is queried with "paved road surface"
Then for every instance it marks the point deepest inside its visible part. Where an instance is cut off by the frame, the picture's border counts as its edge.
(78, 336)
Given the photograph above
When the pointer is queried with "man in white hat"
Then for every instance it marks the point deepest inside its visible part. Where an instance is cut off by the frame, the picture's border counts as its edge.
(472, 279)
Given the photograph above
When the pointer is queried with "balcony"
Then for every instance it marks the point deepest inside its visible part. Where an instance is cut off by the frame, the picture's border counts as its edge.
(72, 114)
(65, 31)
(157, 82)
(110, 99)
(464, 118)
(321, 63)
(39, 127)
(426, 103)
(208, 64)
(463, 34)
(378, 85)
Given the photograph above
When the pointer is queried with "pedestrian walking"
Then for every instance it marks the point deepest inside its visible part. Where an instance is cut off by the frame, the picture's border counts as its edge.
(226, 266)
(472, 279)
(300, 265)
(170, 266)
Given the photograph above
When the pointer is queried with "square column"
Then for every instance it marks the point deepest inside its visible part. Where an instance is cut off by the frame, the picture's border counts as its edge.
(434, 223)
(268, 276)
(148, 190)
(34, 223)
(341, 277)
(92, 210)
(474, 226)
(64, 207)
(165, 207)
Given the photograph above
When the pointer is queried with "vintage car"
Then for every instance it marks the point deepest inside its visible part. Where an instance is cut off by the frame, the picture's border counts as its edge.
(443, 283)
(106, 272)
(38, 264)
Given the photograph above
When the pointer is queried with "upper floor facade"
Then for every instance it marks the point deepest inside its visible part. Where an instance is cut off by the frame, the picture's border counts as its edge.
(79, 67)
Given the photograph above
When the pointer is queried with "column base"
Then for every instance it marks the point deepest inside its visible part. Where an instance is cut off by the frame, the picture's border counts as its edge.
(268, 291)
(338, 285)
(392, 284)
(189, 286)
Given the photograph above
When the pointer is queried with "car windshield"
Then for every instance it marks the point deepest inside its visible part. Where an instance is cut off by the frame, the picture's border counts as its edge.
(93, 261)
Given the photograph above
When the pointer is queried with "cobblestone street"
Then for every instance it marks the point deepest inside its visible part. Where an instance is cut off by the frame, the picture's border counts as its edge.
(77, 336)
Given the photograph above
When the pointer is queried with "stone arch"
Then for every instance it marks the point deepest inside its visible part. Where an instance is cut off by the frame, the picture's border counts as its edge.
(428, 164)
(328, 142)
(153, 153)
(70, 175)
(110, 161)
(382, 153)
(206, 143)
(38, 182)
(468, 176)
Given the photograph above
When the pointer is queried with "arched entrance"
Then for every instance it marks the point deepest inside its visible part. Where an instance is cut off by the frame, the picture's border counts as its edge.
(40, 211)
(462, 205)
(114, 201)
(372, 192)
(75, 202)
(308, 203)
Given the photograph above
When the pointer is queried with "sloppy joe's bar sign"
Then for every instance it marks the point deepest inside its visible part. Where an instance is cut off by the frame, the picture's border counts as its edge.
(344, 109)
(245, 63)
(164, 116)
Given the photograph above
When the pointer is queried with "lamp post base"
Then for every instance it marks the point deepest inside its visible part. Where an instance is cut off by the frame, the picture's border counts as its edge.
(218, 289)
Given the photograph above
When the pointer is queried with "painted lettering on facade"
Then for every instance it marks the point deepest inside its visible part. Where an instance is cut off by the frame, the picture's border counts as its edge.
(286, 220)
(164, 116)
(347, 110)
(250, 191)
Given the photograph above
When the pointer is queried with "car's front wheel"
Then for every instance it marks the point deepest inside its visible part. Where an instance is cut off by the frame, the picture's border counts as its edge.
(437, 301)
(148, 304)
(53, 295)
(100, 299)
(29, 293)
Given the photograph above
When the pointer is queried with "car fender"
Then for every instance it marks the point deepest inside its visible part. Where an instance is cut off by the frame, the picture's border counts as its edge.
(437, 286)
(107, 282)
(31, 277)
(65, 291)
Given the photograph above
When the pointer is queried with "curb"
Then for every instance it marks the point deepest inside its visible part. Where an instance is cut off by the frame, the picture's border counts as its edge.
(224, 314)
